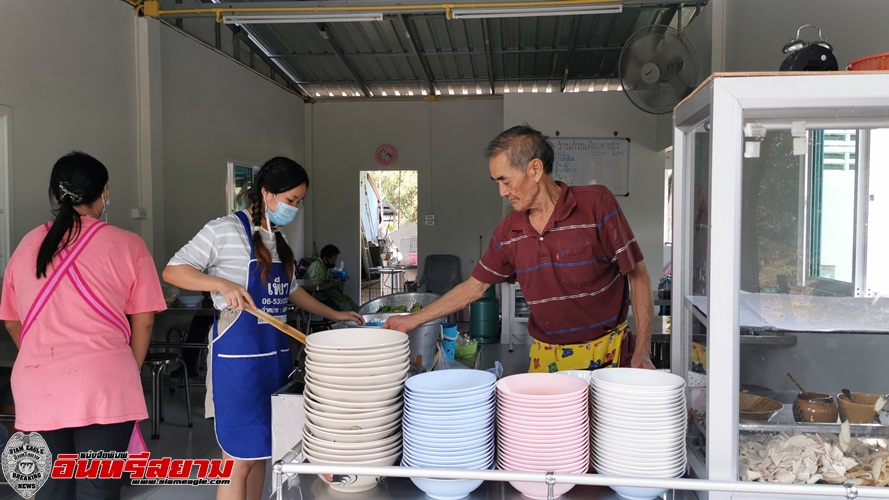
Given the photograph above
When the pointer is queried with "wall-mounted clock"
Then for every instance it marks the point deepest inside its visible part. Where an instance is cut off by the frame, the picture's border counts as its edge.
(386, 155)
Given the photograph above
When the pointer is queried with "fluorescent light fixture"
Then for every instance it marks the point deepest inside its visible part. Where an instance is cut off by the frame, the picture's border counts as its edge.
(309, 17)
(555, 10)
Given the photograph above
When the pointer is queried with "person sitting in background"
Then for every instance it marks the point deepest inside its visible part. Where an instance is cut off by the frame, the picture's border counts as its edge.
(319, 271)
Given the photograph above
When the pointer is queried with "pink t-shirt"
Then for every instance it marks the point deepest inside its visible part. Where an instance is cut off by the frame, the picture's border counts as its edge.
(74, 367)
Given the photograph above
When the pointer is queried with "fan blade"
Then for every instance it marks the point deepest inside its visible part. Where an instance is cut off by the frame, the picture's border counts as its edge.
(657, 68)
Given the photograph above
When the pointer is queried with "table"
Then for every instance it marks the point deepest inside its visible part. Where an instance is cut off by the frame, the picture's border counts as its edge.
(188, 311)
(313, 286)
(396, 277)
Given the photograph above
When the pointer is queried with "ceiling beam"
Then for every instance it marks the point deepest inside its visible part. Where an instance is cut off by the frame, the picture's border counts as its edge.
(575, 27)
(337, 48)
(414, 43)
(264, 54)
(488, 56)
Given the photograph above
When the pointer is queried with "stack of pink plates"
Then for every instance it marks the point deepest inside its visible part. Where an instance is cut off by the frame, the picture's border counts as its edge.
(542, 425)
(449, 424)
(638, 426)
(353, 401)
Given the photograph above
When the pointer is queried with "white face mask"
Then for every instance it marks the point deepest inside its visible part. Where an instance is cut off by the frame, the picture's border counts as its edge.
(105, 203)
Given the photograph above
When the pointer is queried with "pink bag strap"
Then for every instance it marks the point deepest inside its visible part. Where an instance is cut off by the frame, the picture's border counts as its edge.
(97, 305)
(65, 262)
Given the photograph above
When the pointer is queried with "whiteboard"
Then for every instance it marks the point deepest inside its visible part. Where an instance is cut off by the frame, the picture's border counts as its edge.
(583, 161)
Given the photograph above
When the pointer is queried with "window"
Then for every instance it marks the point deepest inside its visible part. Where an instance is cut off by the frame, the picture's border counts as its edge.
(239, 178)
(814, 210)
(848, 200)
(5, 185)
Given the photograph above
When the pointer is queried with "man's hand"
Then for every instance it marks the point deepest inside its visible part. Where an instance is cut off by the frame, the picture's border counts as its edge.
(642, 359)
(397, 323)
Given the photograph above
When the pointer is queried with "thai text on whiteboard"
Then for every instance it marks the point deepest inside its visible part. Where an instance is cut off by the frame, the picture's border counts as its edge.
(583, 161)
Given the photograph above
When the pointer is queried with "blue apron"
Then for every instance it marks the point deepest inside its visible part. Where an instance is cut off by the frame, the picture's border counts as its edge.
(251, 360)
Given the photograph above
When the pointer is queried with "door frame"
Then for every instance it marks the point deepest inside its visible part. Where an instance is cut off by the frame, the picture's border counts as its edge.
(6, 192)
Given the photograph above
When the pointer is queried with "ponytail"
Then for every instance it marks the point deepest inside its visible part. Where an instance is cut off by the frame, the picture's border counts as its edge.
(66, 225)
(76, 179)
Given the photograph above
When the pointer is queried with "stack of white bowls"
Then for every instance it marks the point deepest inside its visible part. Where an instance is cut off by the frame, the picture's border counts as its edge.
(543, 425)
(353, 401)
(638, 426)
(449, 424)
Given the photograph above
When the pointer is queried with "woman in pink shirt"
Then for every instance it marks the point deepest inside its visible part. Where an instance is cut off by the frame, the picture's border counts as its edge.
(79, 298)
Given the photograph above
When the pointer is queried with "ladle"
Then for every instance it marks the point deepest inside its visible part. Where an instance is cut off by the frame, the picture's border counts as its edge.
(798, 386)
(848, 394)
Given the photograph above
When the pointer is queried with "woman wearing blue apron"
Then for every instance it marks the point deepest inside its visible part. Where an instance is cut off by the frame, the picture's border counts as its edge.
(244, 261)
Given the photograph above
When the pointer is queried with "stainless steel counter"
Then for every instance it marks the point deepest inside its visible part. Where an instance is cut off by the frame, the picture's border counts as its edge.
(308, 487)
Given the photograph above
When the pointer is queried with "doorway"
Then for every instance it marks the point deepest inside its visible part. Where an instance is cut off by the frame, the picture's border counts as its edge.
(387, 231)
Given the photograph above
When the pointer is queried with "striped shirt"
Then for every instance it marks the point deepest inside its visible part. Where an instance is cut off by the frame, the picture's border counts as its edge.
(221, 249)
(574, 274)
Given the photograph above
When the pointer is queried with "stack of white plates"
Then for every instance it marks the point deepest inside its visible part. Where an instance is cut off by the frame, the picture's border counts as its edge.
(542, 425)
(638, 426)
(353, 401)
(449, 424)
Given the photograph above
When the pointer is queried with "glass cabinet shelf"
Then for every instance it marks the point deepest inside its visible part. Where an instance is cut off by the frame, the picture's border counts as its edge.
(780, 236)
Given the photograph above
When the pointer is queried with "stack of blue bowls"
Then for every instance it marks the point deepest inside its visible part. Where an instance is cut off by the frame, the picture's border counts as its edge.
(448, 423)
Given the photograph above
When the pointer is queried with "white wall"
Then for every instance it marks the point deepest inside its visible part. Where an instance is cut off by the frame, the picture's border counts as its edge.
(607, 114)
(67, 69)
(215, 110)
(756, 30)
(442, 140)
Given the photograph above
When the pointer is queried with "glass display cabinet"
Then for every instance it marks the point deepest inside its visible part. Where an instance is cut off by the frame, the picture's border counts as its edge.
(781, 266)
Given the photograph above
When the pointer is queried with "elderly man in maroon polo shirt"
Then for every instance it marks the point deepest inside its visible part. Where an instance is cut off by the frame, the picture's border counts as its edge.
(575, 257)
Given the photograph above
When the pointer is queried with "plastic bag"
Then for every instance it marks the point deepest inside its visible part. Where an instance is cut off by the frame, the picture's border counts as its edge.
(446, 363)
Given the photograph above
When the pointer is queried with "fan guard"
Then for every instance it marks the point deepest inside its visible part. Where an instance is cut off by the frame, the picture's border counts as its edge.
(657, 68)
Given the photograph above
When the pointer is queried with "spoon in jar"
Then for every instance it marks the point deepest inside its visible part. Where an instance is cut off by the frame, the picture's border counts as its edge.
(796, 383)
(848, 394)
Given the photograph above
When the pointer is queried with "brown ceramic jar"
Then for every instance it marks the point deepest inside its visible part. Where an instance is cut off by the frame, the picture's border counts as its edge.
(815, 407)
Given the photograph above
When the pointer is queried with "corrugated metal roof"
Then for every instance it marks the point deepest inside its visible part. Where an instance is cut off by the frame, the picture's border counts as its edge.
(421, 53)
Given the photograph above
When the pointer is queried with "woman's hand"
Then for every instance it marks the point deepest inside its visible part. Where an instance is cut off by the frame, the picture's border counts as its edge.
(235, 295)
(342, 316)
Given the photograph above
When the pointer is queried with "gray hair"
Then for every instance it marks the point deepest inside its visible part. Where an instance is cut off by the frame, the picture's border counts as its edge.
(521, 145)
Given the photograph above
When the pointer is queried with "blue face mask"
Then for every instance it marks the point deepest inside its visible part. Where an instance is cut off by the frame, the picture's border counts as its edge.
(282, 215)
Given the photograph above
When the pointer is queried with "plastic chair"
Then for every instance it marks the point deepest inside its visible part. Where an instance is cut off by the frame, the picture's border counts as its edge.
(440, 274)
(157, 362)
